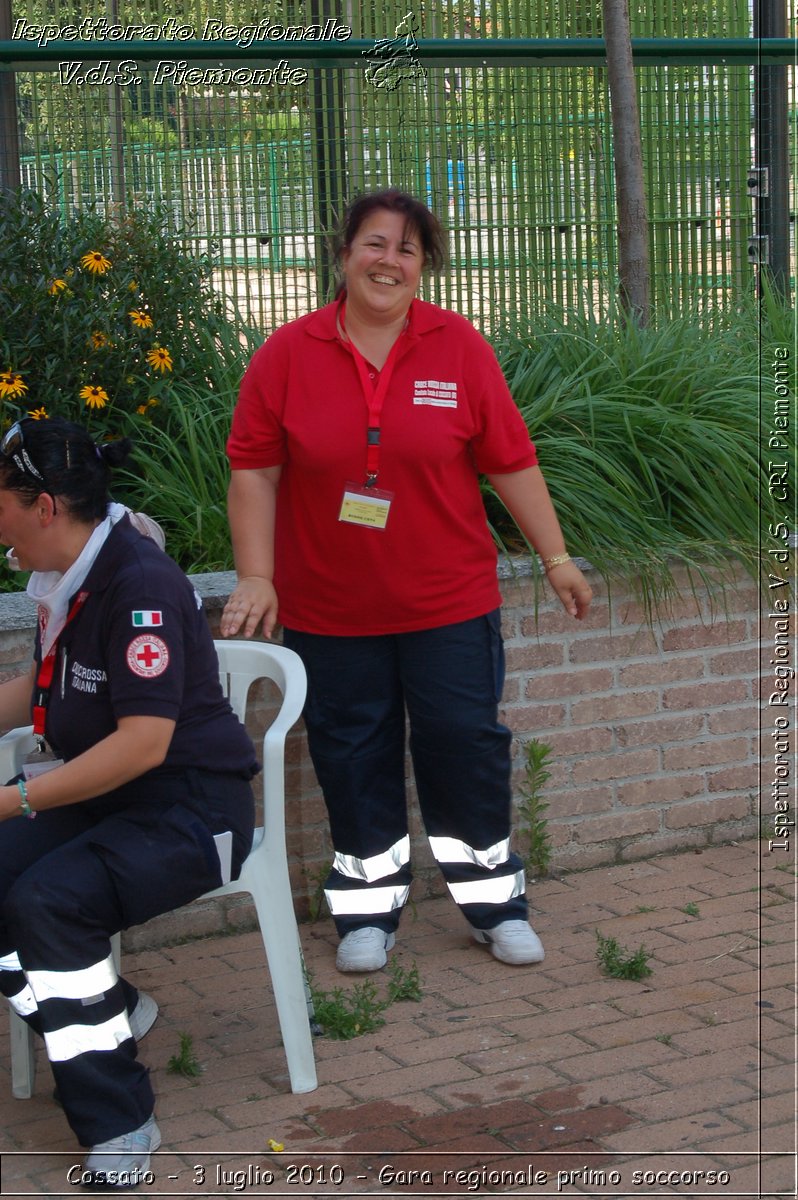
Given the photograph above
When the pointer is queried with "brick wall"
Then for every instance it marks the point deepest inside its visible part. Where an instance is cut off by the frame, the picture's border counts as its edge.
(653, 730)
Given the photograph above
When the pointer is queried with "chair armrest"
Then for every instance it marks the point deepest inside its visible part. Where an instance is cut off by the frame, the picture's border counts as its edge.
(14, 745)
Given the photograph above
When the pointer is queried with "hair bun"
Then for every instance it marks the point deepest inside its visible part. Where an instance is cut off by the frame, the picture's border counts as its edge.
(114, 453)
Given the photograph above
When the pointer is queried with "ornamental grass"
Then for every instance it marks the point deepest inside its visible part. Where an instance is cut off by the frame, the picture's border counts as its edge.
(653, 441)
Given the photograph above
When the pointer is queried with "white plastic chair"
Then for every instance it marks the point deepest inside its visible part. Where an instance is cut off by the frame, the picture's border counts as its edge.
(265, 871)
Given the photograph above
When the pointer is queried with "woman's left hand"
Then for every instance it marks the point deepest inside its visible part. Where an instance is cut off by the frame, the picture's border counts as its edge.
(574, 591)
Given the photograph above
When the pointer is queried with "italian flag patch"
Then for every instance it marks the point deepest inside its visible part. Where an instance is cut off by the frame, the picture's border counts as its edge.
(147, 618)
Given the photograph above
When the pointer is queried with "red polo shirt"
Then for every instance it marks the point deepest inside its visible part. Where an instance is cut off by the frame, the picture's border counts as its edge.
(447, 417)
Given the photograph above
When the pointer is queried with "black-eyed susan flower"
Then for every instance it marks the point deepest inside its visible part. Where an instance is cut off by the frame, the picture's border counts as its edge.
(160, 358)
(99, 339)
(38, 414)
(96, 262)
(140, 318)
(143, 409)
(11, 385)
(93, 396)
(133, 286)
(57, 286)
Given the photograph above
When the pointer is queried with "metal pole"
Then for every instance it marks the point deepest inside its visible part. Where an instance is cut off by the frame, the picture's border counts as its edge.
(115, 126)
(10, 175)
(330, 158)
(771, 143)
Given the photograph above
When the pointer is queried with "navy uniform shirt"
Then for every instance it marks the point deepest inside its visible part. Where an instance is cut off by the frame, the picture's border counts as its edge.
(141, 646)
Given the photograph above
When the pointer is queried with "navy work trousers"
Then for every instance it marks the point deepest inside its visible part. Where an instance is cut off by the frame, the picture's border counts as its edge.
(448, 681)
(69, 880)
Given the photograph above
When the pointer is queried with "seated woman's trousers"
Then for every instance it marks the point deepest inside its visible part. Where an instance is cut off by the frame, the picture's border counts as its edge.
(69, 880)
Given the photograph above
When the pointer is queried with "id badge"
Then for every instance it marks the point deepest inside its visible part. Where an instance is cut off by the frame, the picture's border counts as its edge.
(365, 506)
(40, 767)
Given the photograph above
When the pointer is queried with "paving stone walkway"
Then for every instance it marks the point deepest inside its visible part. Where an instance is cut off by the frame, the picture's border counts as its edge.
(542, 1081)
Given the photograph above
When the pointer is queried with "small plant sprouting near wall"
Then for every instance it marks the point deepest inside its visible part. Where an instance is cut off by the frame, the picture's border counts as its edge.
(532, 808)
(316, 881)
(619, 963)
(185, 1062)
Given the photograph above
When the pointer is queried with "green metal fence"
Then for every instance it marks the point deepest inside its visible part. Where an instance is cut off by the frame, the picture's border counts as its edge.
(518, 159)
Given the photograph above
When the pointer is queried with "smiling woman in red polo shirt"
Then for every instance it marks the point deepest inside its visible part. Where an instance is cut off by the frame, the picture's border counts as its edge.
(357, 522)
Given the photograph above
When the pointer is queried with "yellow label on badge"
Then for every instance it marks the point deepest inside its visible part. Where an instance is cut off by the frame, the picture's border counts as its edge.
(363, 507)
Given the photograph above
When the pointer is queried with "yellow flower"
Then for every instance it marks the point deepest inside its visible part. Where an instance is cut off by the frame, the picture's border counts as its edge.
(11, 385)
(38, 414)
(95, 262)
(140, 319)
(99, 339)
(133, 286)
(94, 396)
(143, 409)
(276, 1147)
(160, 358)
(58, 285)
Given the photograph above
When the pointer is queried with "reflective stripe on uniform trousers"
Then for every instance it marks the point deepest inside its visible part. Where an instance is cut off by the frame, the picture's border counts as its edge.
(23, 1002)
(72, 1040)
(378, 866)
(450, 850)
(87, 985)
(74, 985)
(352, 902)
(489, 891)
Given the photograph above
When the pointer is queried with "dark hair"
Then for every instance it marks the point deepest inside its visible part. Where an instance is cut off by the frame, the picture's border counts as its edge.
(74, 467)
(417, 217)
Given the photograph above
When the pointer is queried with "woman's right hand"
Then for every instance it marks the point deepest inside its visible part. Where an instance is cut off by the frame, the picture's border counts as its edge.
(254, 600)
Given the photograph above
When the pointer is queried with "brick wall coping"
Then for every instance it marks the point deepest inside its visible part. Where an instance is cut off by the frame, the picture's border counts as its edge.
(17, 611)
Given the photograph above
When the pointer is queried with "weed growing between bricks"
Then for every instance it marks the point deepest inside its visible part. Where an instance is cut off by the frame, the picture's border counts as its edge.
(185, 1062)
(342, 1015)
(620, 963)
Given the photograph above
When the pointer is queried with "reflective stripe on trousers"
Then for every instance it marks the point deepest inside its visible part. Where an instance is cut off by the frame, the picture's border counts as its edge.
(81, 992)
(357, 886)
(351, 902)
(489, 891)
(376, 867)
(18, 991)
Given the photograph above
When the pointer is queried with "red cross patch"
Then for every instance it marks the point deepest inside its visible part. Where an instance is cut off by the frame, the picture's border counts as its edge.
(148, 656)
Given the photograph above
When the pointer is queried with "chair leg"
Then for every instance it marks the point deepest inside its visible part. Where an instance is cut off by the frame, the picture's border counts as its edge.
(23, 1060)
(280, 935)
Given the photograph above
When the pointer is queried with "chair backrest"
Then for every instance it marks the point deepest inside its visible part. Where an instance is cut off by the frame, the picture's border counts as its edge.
(242, 663)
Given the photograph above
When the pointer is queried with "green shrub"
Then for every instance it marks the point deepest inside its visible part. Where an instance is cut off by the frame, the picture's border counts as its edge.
(100, 317)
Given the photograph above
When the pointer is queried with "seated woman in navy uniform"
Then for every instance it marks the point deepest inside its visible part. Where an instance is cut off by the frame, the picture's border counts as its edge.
(147, 763)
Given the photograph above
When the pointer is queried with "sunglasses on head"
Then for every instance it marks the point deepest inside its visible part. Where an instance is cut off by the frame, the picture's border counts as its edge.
(13, 446)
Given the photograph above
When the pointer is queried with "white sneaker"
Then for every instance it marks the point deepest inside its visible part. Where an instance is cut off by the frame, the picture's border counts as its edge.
(143, 1016)
(364, 949)
(122, 1162)
(513, 942)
